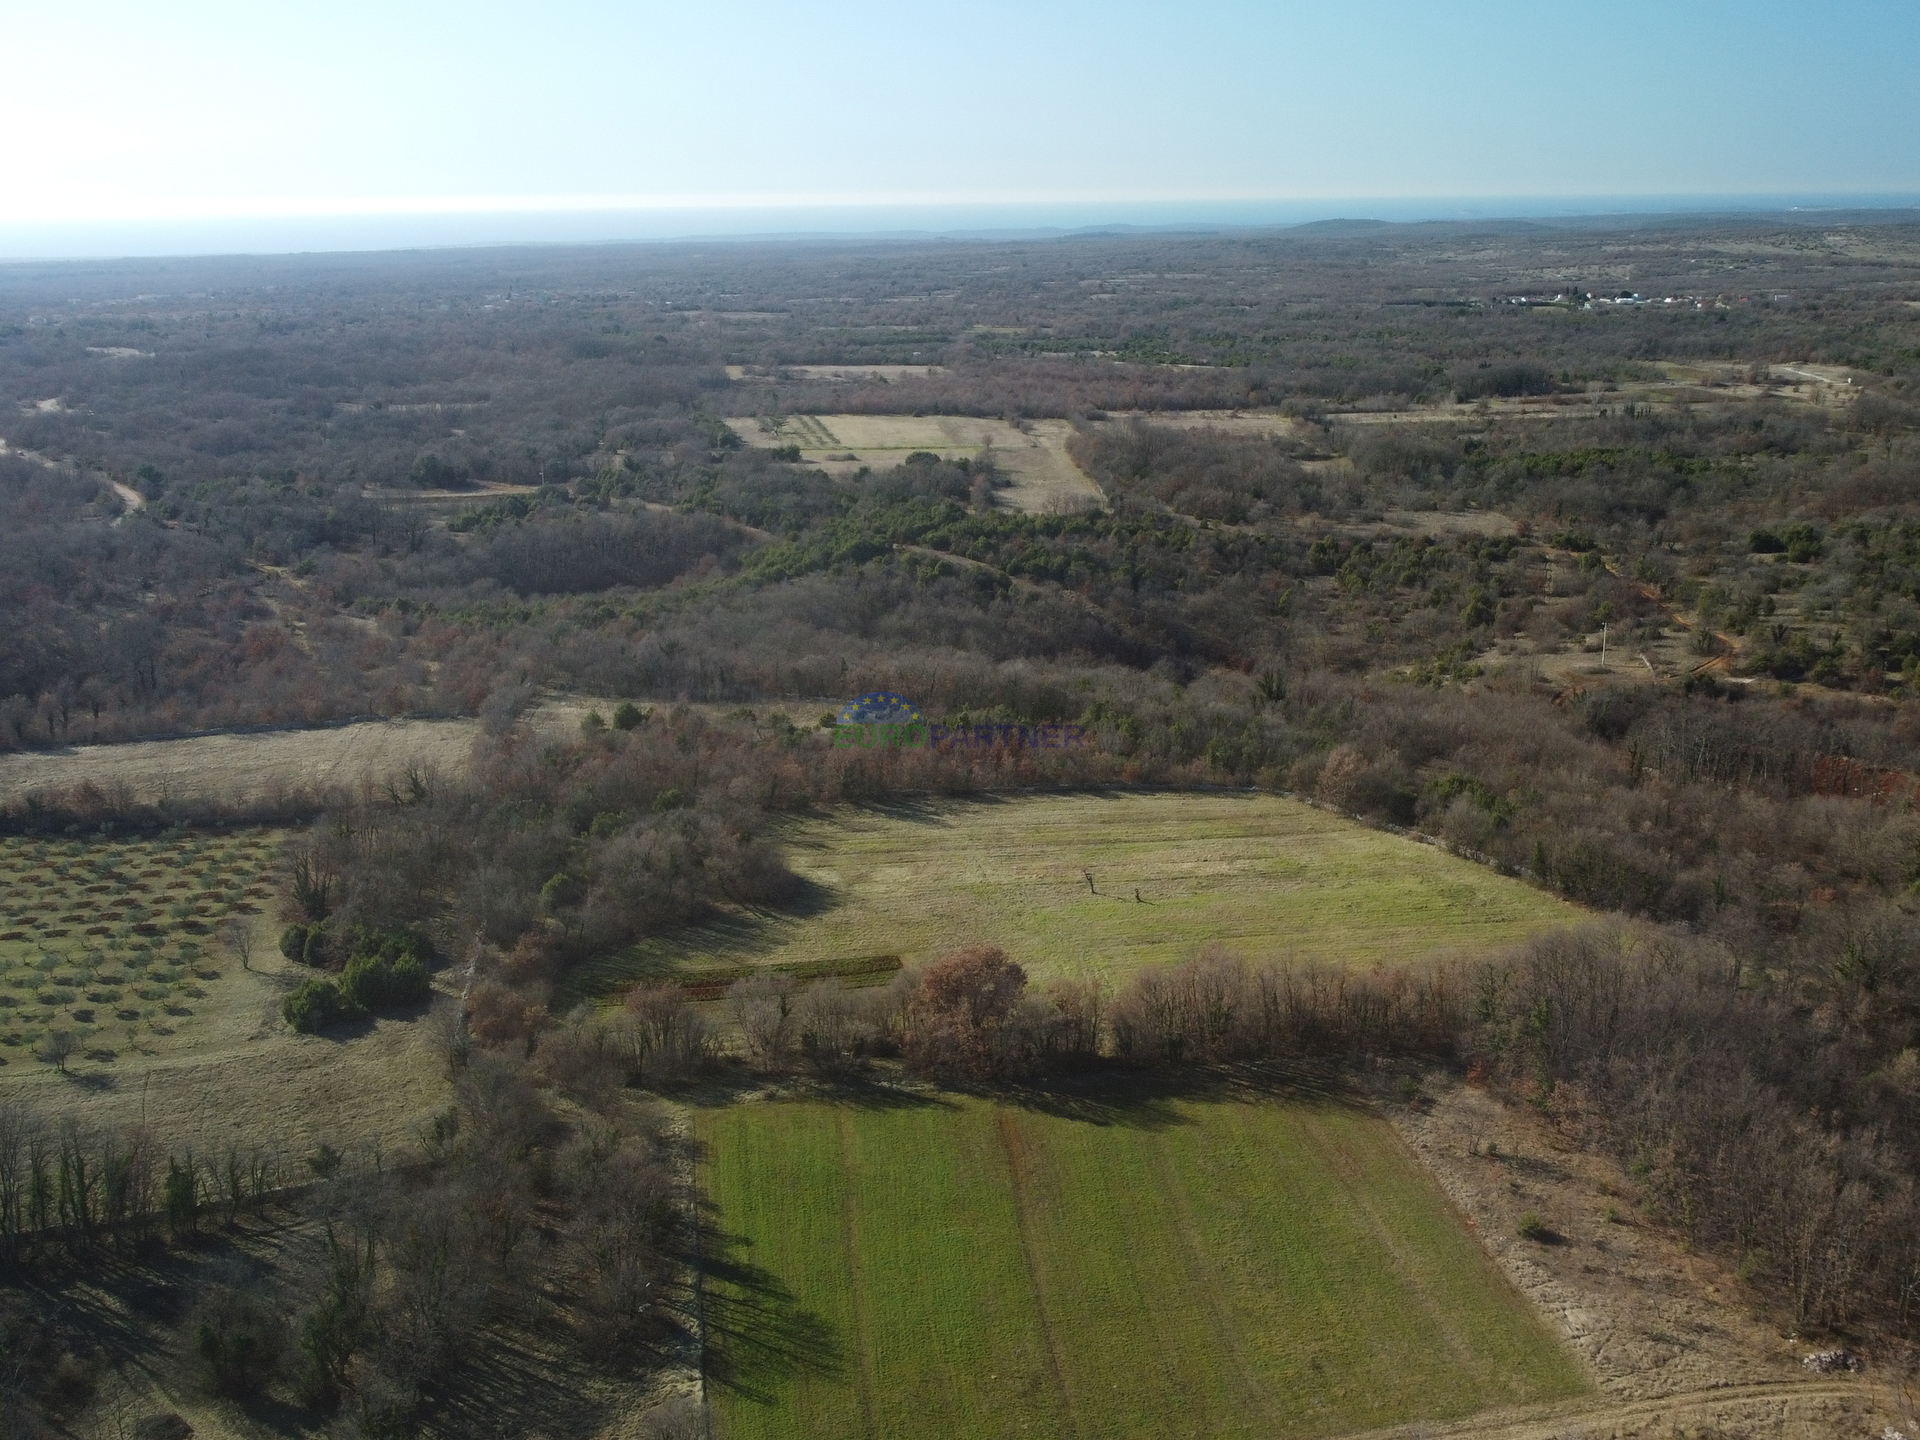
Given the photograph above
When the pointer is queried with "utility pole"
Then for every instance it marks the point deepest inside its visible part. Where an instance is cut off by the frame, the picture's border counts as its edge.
(1603, 647)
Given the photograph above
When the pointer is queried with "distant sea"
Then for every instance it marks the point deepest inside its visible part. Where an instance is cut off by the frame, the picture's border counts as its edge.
(284, 235)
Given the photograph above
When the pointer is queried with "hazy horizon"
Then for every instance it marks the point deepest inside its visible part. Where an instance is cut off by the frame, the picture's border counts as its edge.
(211, 126)
(453, 228)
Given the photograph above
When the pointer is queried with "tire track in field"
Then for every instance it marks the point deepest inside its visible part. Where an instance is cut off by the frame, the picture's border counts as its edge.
(1013, 1144)
(869, 1385)
(1255, 1400)
(1550, 1422)
(1340, 1162)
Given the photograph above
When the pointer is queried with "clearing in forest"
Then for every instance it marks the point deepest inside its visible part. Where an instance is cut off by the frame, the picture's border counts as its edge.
(1102, 1265)
(1033, 454)
(131, 948)
(1265, 876)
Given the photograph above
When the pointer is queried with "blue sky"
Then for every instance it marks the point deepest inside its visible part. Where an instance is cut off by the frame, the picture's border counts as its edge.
(205, 111)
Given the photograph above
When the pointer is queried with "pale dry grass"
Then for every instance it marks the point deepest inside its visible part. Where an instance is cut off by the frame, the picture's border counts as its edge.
(250, 1081)
(243, 767)
(240, 768)
(887, 374)
(1033, 455)
(1684, 387)
(1229, 422)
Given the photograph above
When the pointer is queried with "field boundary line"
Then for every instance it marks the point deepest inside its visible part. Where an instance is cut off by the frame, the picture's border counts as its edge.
(1557, 1326)
(1257, 1401)
(1013, 1147)
(691, 1148)
(857, 1296)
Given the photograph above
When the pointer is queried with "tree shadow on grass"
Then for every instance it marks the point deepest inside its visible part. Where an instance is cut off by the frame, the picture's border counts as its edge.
(126, 1303)
(724, 935)
(122, 1300)
(517, 1380)
(1144, 1099)
(130, 1306)
(804, 899)
(720, 1088)
(934, 811)
(758, 1335)
(865, 1093)
(1105, 1093)
(942, 809)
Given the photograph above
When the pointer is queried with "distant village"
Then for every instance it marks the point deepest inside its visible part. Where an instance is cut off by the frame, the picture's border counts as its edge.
(1581, 300)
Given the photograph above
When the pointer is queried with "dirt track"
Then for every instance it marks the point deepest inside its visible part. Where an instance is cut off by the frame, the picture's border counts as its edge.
(1787, 1411)
(1676, 1343)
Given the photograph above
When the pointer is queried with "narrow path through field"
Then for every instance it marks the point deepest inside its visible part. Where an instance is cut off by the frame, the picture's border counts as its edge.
(1407, 1262)
(1810, 375)
(857, 1296)
(1014, 1144)
(1252, 1397)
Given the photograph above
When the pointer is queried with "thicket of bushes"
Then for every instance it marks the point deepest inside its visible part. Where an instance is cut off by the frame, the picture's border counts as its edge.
(378, 971)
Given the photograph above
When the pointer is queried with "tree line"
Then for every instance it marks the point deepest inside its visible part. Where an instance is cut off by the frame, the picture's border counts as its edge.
(395, 1281)
(1752, 1120)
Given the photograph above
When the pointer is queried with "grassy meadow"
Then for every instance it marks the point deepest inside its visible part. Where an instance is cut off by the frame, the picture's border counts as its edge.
(1168, 1267)
(1266, 876)
(1032, 455)
(116, 941)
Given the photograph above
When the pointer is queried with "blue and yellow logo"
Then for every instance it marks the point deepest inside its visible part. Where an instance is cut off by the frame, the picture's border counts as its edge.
(881, 719)
(881, 707)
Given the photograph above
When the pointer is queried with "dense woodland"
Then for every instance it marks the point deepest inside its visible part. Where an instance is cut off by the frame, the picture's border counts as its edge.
(1747, 1038)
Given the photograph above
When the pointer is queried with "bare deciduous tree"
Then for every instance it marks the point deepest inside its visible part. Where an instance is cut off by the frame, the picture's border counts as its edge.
(237, 935)
(762, 1006)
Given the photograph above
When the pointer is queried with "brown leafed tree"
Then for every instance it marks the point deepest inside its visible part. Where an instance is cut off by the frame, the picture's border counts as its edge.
(955, 1019)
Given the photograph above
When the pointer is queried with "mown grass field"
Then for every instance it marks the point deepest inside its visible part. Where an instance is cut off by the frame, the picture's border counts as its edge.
(1033, 456)
(1203, 1267)
(115, 941)
(1265, 876)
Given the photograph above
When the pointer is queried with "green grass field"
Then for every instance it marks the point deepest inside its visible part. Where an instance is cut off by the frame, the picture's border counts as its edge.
(115, 940)
(1200, 1267)
(1266, 876)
